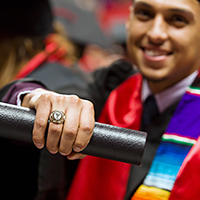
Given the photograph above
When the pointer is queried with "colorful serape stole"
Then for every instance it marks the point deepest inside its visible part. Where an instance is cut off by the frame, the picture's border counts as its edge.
(181, 134)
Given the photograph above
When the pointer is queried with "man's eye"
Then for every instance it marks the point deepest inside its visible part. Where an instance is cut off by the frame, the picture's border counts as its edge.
(178, 21)
(143, 14)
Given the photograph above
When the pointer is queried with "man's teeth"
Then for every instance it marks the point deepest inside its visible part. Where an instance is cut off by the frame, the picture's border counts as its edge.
(154, 53)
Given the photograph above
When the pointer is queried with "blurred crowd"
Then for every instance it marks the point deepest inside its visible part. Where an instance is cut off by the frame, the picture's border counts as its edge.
(90, 34)
(97, 27)
(57, 43)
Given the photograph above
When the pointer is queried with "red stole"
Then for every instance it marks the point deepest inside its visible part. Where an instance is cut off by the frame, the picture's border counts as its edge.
(102, 179)
(53, 52)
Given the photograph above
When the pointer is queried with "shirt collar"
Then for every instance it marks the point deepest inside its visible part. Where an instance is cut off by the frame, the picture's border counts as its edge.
(171, 95)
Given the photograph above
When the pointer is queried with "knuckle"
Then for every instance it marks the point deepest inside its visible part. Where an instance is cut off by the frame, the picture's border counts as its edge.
(37, 139)
(55, 130)
(40, 123)
(60, 99)
(45, 97)
(89, 104)
(38, 90)
(86, 128)
(70, 134)
(74, 99)
(79, 144)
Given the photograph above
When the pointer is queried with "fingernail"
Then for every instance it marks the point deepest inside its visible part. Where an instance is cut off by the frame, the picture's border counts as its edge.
(74, 157)
(63, 154)
(53, 152)
(39, 145)
(77, 149)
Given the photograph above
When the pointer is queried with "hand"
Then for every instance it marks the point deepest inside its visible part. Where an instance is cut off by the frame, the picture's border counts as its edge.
(77, 129)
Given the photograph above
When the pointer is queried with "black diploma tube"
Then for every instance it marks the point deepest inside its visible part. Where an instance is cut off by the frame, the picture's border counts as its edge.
(111, 142)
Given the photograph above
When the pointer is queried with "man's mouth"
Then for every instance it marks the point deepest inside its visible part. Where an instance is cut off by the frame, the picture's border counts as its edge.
(156, 52)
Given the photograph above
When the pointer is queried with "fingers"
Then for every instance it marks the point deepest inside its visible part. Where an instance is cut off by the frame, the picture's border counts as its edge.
(41, 120)
(55, 130)
(71, 127)
(85, 128)
(77, 129)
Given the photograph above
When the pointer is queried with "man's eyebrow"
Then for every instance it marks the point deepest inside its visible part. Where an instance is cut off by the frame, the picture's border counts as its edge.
(177, 10)
(142, 4)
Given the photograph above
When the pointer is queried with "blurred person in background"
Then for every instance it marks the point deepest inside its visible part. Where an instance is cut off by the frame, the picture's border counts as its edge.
(34, 47)
(83, 28)
(29, 34)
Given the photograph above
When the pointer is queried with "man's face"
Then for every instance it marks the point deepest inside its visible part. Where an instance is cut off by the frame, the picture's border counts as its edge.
(163, 39)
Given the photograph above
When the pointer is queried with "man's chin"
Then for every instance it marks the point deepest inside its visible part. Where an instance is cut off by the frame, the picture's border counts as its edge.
(154, 79)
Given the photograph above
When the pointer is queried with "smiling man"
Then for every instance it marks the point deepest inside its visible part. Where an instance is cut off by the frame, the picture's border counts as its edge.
(163, 41)
(163, 98)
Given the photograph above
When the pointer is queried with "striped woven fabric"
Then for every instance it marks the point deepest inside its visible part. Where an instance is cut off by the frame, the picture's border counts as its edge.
(181, 134)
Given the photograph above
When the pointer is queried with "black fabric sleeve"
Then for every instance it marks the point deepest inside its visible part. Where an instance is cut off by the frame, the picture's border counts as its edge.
(106, 80)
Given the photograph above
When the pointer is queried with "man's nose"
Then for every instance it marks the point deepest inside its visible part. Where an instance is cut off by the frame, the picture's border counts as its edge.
(157, 33)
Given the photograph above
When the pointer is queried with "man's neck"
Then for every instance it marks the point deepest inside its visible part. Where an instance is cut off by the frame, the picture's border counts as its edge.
(171, 95)
(162, 85)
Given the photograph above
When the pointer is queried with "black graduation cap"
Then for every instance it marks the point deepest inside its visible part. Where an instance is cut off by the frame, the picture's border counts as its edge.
(80, 24)
(25, 18)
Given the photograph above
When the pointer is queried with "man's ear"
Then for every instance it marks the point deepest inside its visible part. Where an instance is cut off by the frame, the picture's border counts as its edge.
(127, 24)
(129, 18)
